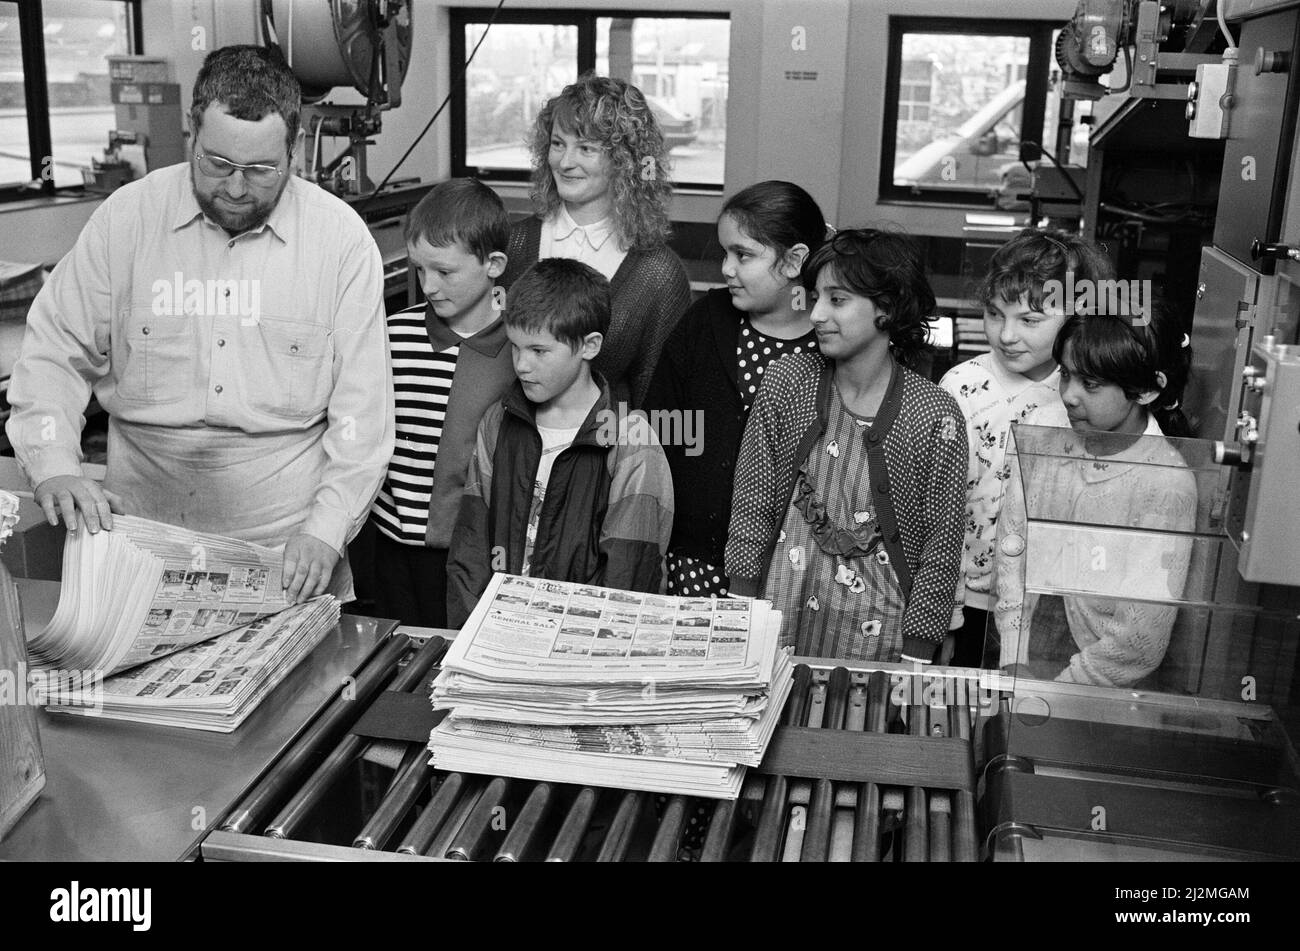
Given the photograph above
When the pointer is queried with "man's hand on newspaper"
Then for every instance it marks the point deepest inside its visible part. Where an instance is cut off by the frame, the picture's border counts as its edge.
(68, 494)
(308, 565)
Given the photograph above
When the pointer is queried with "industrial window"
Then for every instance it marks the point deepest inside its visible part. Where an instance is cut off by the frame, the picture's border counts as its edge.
(961, 95)
(678, 61)
(55, 110)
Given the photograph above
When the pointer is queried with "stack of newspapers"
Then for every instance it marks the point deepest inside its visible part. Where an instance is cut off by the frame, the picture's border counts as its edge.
(163, 625)
(573, 683)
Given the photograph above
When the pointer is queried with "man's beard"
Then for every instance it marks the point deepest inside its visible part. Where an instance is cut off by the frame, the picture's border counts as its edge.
(250, 217)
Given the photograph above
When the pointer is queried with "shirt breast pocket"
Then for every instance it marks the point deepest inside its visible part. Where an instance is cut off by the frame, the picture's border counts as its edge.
(292, 363)
(161, 353)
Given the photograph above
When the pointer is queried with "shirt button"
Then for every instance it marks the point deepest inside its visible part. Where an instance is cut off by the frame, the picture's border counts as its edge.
(1012, 545)
(221, 343)
(227, 292)
(218, 387)
(883, 488)
(873, 438)
(293, 348)
(145, 331)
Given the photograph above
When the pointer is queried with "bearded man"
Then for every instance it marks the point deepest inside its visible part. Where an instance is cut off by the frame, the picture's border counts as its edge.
(229, 318)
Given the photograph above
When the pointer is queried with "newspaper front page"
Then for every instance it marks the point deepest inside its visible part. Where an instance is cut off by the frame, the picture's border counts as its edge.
(554, 631)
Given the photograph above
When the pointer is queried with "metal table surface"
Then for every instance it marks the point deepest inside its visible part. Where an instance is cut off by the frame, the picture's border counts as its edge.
(119, 791)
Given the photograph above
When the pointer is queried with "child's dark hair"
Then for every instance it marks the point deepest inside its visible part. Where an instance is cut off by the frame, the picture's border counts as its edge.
(461, 211)
(566, 298)
(1032, 258)
(778, 215)
(1128, 352)
(884, 266)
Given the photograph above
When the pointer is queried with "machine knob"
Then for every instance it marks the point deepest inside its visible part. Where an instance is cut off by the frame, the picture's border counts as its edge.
(1255, 378)
(1226, 455)
(1272, 61)
(1259, 249)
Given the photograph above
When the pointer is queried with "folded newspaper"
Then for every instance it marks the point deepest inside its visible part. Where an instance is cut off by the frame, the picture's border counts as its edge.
(161, 624)
(214, 685)
(145, 590)
(575, 683)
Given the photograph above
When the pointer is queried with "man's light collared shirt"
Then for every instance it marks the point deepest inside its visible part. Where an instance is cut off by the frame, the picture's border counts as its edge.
(173, 323)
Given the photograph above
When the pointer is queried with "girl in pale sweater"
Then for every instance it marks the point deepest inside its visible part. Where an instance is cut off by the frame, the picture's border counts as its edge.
(1105, 495)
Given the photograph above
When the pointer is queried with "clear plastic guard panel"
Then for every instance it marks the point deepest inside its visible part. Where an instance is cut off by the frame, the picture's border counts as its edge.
(1154, 708)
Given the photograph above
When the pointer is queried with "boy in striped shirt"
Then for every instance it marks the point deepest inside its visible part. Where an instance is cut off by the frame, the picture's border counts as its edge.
(451, 361)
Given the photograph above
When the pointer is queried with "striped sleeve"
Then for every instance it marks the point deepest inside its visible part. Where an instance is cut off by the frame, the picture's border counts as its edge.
(422, 377)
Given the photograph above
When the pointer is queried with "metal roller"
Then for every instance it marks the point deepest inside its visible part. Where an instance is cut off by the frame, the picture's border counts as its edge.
(352, 746)
(866, 834)
(669, 834)
(721, 825)
(469, 840)
(569, 840)
(410, 781)
(523, 831)
(459, 812)
(323, 732)
(767, 840)
(817, 837)
(421, 834)
(916, 834)
(619, 836)
(964, 829)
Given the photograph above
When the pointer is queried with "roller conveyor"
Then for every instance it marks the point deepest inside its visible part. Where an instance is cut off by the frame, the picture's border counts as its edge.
(853, 775)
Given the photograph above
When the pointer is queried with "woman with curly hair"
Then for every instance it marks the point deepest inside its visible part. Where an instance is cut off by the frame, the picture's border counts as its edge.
(600, 187)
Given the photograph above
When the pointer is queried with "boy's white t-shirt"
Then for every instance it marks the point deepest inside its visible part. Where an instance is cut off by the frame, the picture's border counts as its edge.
(991, 398)
(554, 442)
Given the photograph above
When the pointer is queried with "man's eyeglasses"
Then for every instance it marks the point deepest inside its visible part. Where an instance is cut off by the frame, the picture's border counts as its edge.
(216, 167)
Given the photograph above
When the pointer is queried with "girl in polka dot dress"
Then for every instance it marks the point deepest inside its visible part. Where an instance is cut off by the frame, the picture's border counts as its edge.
(715, 359)
(851, 480)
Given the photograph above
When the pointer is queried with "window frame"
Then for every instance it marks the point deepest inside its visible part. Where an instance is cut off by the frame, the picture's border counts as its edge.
(1034, 108)
(31, 29)
(586, 22)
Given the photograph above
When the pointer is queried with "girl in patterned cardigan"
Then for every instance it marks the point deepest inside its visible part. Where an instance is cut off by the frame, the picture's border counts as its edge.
(850, 485)
(1113, 503)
